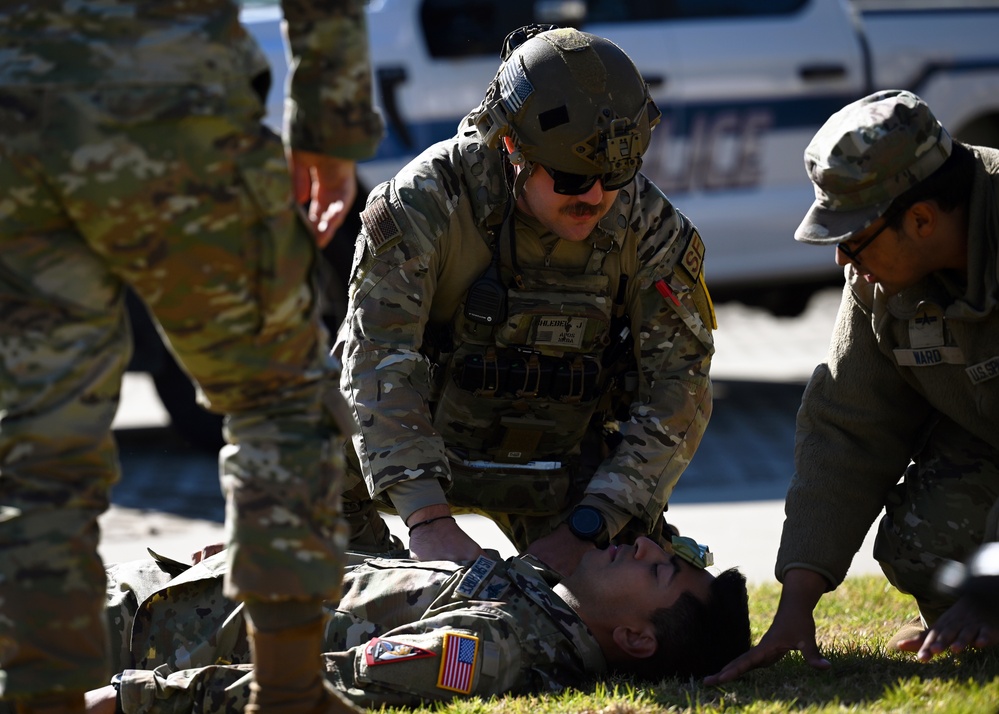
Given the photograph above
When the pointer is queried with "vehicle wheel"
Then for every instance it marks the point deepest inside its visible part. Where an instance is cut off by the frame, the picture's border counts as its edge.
(198, 426)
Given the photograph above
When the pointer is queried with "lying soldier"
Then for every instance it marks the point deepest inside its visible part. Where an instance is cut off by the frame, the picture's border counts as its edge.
(407, 632)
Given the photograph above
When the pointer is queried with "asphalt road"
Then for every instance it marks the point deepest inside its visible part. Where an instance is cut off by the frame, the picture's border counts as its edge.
(730, 497)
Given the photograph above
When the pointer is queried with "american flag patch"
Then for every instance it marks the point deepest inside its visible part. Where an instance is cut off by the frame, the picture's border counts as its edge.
(458, 662)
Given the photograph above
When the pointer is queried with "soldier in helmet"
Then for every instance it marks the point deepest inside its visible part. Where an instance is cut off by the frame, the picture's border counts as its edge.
(528, 332)
(407, 632)
(910, 389)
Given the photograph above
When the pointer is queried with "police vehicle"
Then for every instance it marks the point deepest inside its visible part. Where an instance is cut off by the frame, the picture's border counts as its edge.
(743, 86)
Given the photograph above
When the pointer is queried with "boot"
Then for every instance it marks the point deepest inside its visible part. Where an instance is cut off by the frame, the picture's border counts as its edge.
(52, 704)
(287, 674)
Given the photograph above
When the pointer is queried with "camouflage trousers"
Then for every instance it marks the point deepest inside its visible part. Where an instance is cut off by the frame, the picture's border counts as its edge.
(117, 186)
(944, 508)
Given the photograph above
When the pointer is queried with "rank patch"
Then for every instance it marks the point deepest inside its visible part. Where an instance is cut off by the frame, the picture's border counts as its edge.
(458, 662)
(380, 651)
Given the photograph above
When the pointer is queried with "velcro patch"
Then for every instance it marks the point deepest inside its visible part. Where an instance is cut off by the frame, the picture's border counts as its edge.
(983, 371)
(380, 225)
(382, 651)
(693, 258)
(928, 357)
(471, 580)
(458, 662)
(926, 329)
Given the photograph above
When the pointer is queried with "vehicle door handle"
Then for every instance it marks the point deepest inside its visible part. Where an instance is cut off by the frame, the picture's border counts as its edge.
(389, 78)
(821, 72)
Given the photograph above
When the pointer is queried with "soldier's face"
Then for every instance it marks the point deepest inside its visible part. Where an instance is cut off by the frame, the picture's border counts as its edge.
(569, 217)
(896, 260)
(635, 579)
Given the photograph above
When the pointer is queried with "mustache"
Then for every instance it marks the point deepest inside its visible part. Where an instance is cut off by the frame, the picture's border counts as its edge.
(581, 210)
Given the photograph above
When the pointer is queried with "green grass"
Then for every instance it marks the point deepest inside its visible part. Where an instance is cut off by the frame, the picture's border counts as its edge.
(853, 623)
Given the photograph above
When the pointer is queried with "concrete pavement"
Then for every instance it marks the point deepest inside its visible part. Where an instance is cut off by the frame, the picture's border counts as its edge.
(731, 496)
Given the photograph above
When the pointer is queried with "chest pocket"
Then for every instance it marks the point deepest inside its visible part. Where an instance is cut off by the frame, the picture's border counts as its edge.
(555, 314)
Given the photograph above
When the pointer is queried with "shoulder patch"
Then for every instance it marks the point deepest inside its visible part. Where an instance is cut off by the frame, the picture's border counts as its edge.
(693, 258)
(380, 225)
(382, 651)
(458, 662)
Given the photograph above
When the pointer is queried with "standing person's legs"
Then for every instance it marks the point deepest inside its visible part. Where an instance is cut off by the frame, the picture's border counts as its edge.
(205, 231)
(938, 513)
(64, 346)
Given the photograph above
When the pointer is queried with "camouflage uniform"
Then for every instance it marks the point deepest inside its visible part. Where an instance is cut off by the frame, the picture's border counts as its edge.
(417, 372)
(386, 641)
(909, 388)
(132, 153)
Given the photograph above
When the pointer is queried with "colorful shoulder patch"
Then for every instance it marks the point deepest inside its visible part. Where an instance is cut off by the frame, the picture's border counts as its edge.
(382, 651)
(693, 258)
(458, 661)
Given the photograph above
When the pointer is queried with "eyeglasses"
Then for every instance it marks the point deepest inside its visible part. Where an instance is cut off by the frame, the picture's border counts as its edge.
(569, 184)
(854, 253)
(693, 552)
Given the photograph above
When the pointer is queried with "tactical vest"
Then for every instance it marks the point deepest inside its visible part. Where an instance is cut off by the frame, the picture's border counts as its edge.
(517, 399)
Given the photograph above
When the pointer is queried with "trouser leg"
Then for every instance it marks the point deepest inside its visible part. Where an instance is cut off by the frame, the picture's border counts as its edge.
(64, 345)
(938, 512)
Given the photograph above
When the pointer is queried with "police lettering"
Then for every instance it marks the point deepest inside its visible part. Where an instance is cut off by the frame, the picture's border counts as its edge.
(715, 150)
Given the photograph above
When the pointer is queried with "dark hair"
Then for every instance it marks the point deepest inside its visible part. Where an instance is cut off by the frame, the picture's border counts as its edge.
(949, 186)
(695, 637)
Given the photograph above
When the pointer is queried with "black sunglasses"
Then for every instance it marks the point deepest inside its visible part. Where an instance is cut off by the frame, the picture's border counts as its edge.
(854, 253)
(574, 184)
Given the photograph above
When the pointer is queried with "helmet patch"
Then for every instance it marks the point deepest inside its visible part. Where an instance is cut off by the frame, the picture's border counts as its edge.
(514, 87)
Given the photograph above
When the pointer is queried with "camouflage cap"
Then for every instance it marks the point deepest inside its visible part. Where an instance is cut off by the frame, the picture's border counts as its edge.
(864, 157)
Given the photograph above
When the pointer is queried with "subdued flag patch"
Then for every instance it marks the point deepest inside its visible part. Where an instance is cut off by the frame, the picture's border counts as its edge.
(458, 662)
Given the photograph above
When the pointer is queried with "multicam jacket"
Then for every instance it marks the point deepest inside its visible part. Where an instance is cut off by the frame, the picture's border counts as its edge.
(201, 45)
(404, 632)
(898, 365)
(434, 391)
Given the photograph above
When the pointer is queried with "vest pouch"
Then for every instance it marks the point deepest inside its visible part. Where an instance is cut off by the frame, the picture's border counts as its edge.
(575, 380)
(570, 314)
(533, 489)
(522, 429)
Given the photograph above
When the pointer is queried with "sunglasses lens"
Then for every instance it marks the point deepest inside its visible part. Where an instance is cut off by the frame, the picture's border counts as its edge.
(571, 184)
(574, 184)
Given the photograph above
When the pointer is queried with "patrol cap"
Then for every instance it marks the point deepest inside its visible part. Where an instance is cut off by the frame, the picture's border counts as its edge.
(865, 156)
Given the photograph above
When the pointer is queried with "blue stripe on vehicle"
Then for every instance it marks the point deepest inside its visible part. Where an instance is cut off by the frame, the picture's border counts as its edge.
(788, 114)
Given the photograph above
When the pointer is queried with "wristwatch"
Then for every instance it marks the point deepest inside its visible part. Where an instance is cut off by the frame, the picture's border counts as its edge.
(587, 523)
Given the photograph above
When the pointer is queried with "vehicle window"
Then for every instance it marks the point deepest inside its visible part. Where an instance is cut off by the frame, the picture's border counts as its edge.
(461, 28)
(634, 10)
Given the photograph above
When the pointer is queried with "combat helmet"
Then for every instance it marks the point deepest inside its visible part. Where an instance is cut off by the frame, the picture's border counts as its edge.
(571, 101)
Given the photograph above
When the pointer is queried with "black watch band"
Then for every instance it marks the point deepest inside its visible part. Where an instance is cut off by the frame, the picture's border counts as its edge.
(587, 523)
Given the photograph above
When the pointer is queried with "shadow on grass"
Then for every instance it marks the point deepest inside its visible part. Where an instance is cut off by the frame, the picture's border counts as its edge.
(859, 678)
